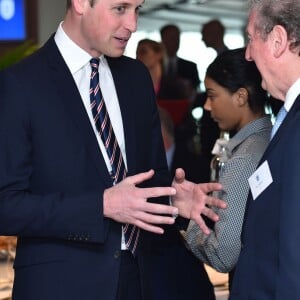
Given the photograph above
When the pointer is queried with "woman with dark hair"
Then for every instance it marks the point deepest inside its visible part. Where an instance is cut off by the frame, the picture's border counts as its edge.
(236, 102)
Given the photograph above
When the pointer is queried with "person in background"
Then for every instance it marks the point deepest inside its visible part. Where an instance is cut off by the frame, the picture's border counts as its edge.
(193, 269)
(236, 102)
(152, 53)
(175, 66)
(213, 35)
(168, 135)
(84, 183)
(269, 265)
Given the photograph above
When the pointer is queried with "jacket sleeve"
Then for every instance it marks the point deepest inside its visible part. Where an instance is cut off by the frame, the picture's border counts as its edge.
(221, 248)
(26, 209)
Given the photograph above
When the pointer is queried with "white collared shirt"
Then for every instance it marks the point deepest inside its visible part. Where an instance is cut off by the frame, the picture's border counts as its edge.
(78, 62)
(292, 94)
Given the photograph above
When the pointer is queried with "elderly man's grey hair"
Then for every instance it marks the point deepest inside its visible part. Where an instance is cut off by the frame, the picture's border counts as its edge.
(278, 12)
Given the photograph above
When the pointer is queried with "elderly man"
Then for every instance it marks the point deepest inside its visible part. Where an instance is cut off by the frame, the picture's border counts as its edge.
(84, 182)
(269, 264)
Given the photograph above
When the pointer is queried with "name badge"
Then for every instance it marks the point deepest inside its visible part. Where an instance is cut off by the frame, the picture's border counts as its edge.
(260, 180)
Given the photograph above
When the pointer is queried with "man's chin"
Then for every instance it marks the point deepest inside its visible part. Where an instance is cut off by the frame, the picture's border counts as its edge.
(116, 53)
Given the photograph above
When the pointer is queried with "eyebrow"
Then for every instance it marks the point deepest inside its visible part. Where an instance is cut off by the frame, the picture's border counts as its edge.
(210, 90)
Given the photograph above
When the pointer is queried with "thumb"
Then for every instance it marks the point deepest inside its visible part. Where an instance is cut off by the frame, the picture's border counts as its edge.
(179, 175)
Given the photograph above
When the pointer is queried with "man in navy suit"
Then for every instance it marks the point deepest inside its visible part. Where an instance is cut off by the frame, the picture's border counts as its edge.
(56, 190)
(269, 263)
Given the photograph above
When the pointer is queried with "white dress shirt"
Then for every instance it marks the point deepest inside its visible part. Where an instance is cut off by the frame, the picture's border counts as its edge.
(292, 95)
(78, 62)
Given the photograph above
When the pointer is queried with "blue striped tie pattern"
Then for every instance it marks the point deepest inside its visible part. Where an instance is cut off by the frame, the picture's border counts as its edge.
(105, 129)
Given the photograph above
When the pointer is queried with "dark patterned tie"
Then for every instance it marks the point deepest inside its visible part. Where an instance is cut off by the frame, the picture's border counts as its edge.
(104, 127)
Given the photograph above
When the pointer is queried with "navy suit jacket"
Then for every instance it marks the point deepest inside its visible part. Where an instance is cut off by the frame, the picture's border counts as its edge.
(188, 69)
(53, 175)
(269, 264)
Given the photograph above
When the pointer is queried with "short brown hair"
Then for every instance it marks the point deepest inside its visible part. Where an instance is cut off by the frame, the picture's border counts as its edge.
(69, 3)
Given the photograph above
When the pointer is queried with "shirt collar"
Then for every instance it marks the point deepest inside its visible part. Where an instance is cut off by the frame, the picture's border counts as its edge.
(251, 128)
(291, 95)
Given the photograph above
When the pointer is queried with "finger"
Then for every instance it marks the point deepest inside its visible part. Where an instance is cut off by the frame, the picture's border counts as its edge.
(156, 219)
(156, 192)
(139, 178)
(152, 209)
(155, 208)
(149, 227)
(212, 201)
(208, 212)
(210, 187)
(199, 220)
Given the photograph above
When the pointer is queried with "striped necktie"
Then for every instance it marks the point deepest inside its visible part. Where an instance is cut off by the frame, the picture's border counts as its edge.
(104, 127)
(279, 119)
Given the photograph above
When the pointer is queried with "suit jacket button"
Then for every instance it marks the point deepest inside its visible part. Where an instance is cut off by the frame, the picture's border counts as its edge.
(117, 254)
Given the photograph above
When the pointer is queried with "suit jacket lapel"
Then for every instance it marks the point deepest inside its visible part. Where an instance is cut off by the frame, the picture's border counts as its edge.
(126, 102)
(63, 80)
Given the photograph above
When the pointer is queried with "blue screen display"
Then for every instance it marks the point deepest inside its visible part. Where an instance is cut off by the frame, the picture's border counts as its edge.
(12, 20)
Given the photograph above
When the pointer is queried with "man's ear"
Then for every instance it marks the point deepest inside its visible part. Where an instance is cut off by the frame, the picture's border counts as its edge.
(280, 40)
(79, 6)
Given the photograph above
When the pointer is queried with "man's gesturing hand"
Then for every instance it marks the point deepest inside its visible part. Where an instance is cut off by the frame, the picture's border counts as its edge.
(192, 199)
(126, 203)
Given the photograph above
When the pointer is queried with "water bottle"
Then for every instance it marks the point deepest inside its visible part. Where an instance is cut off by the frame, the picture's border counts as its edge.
(221, 156)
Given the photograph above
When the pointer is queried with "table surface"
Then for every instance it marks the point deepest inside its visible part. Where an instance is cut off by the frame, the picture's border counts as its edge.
(219, 280)
(6, 271)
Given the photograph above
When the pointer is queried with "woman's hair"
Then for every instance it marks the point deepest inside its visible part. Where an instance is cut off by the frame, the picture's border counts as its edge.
(232, 71)
(155, 46)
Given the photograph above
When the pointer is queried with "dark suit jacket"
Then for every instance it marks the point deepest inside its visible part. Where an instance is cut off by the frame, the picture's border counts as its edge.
(179, 85)
(52, 178)
(188, 69)
(269, 264)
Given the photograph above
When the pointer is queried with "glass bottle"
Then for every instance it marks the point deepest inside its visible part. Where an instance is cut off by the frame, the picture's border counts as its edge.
(221, 156)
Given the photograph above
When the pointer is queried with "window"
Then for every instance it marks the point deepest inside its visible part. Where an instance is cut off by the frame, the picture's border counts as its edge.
(191, 47)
